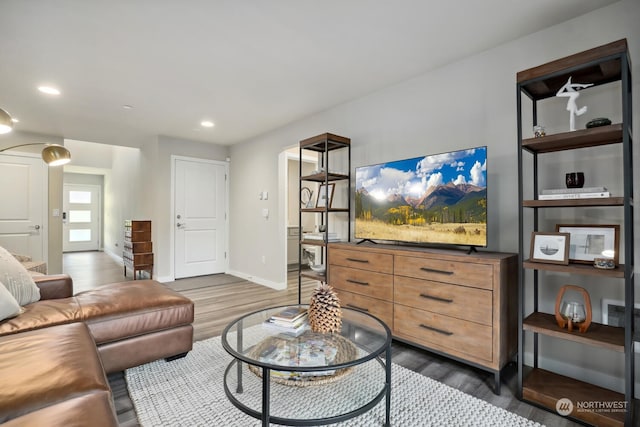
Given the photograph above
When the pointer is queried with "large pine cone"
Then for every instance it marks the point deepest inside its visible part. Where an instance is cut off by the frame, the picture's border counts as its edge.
(325, 315)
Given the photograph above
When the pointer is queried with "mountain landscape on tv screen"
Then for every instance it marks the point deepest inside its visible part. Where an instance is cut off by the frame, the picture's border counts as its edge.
(435, 199)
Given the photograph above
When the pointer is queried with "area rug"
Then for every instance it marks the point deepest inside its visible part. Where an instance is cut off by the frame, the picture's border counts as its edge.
(189, 392)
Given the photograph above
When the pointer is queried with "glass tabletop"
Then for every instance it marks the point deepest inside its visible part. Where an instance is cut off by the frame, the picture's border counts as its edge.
(274, 338)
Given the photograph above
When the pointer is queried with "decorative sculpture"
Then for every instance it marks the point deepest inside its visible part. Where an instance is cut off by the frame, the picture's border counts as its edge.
(570, 90)
(571, 314)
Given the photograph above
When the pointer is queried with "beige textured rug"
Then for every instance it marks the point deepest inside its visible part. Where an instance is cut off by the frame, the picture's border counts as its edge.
(189, 392)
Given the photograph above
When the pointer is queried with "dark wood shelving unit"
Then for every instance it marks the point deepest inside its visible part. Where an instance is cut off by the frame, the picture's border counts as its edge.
(323, 145)
(601, 65)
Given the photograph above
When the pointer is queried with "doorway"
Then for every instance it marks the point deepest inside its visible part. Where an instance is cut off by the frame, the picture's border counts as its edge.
(23, 226)
(199, 215)
(81, 217)
(292, 206)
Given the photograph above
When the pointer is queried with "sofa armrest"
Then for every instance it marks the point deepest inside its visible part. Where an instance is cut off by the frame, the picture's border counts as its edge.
(54, 286)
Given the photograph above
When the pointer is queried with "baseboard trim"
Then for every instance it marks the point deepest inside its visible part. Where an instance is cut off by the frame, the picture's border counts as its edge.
(278, 286)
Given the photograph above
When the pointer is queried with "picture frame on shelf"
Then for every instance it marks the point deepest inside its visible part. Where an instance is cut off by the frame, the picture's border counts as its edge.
(591, 241)
(325, 195)
(613, 312)
(552, 248)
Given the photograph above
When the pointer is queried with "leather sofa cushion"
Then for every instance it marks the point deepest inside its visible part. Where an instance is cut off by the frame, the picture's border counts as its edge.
(94, 409)
(113, 312)
(129, 309)
(42, 314)
(44, 367)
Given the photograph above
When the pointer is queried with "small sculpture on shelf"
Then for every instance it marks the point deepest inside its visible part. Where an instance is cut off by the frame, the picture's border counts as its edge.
(570, 314)
(570, 90)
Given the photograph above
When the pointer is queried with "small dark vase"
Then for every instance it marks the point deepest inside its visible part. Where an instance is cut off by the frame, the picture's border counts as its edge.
(574, 179)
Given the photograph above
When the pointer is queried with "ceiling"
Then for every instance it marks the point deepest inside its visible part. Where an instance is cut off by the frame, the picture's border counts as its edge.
(250, 66)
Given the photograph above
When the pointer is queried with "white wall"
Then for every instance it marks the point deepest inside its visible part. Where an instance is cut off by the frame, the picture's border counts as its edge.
(468, 103)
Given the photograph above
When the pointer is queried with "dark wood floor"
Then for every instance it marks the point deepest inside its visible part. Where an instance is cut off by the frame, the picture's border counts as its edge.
(217, 302)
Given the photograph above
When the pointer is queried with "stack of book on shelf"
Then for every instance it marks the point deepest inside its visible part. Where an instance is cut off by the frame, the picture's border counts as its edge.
(331, 237)
(290, 321)
(574, 193)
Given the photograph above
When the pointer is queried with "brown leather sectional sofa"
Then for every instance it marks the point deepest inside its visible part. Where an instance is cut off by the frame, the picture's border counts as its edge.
(54, 357)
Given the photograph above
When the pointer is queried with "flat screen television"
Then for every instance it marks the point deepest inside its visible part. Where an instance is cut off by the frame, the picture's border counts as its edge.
(438, 199)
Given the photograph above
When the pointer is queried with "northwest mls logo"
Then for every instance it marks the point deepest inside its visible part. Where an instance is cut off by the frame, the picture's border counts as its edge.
(564, 406)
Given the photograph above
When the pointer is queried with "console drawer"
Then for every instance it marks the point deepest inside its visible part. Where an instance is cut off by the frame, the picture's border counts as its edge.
(443, 333)
(439, 270)
(383, 310)
(371, 261)
(376, 285)
(456, 301)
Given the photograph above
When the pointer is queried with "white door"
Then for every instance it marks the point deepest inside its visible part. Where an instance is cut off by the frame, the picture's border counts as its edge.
(81, 218)
(199, 217)
(24, 190)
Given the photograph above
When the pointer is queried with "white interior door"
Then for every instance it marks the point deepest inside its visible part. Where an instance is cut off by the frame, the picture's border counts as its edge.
(23, 181)
(81, 218)
(199, 217)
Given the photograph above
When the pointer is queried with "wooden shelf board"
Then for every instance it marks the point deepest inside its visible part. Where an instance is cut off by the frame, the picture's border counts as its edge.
(569, 203)
(546, 388)
(584, 269)
(598, 66)
(320, 210)
(320, 177)
(582, 138)
(317, 143)
(313, 242)
(597, 335)
(313, 275)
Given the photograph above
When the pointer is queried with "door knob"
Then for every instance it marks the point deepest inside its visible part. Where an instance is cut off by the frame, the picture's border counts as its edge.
(179, 225)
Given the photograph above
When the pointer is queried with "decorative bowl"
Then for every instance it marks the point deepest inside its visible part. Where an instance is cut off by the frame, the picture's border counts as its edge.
(604, 263)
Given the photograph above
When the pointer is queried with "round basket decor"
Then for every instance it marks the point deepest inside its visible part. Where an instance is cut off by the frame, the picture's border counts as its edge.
(292, 351)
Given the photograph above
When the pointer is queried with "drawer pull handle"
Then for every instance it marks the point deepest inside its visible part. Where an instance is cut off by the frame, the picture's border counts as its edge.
(440, 331)
(357, 282)
(357, 308)
(433, 270)
(364, 261)
(447, 300)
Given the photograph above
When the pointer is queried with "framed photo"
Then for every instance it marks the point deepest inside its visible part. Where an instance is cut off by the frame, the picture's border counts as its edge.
(325, 195)
(552, 248)
(613, 315)
(592, 241)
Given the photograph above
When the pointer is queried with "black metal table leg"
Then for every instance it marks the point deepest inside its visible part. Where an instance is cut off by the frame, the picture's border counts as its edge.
(387, 363)
(239, 338)
(266, 373)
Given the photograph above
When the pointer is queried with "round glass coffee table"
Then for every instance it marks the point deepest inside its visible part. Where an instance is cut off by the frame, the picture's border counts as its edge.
(303, 378)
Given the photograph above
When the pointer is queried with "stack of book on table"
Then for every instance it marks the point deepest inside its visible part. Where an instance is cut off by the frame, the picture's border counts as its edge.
(574, 193)
(290, 321)
(331, 237)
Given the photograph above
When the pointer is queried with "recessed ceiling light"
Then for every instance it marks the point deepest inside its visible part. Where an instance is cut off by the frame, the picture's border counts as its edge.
(49, 90)
(127, 107)
(206, 124)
